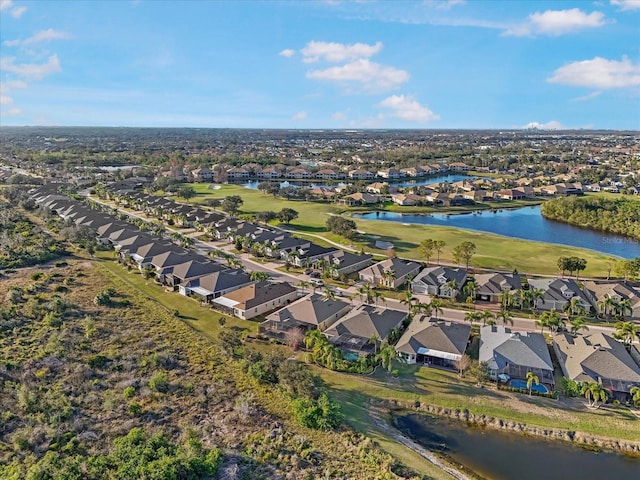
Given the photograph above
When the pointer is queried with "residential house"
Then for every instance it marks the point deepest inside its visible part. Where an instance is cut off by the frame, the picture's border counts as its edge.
(491, 285)
(597, 357)
(510, 355)
(304, 257)
(191, 270)
(619, 292)
(428, 341)
(391, 273)
(311, 312)
(360, 174)
(439, 281)
(359, 198)
(257, 299)
(558, 292)
(510, 194)
(202, 175)
(213, 285)
(407, 200)
(344, 263)
(143, 255)
(354, 332)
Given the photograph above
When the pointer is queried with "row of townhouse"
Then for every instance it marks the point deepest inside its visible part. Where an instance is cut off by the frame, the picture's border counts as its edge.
(280, 171)
(603, 297)
(188, 273)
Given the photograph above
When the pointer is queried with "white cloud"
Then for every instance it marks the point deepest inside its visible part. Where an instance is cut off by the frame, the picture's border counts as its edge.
(339, 117)
(287, 52)
(407, 108)
(598, 73)
(18, 11)
(338, 52)
(43, 36)
(370, 76)
(5, 100)
(444, 4)
(300, 116)
(588, 96)
(6, 87)
(13, 111)
(4, 4)
(31, 70)
(552, 125)
(557, 22)
(626, 4)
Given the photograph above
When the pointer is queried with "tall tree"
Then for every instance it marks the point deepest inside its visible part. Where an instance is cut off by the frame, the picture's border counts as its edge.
(464, 252)
(286, 215)
(232, 204)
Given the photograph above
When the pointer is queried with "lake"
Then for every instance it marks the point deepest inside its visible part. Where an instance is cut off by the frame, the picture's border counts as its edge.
(498, 455)
(397, 183)
(526, 223)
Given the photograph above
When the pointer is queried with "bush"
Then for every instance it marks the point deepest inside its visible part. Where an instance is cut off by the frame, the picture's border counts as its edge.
(129, 392)
(321, 414)
(159, 382)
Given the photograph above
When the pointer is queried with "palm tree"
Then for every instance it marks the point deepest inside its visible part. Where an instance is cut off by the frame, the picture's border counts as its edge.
(635, 395)
(536, 295)
(550, 319)
(626, 331)
(410, 301)
(486, 316)
(574, 307)
(470, 289)
(504, 316)
(531, 380)
(595, 391)
(329, 294)
(577, 324)
(386, 356)
(623, 307)
(452, 286)
(303, 284)
(259, 276)
(314, 338)
(233, 262)
(388, 278)
(607, 305)
(436, 307)
(374, 341)
(366, 293)
(472, 317)
(506, 299)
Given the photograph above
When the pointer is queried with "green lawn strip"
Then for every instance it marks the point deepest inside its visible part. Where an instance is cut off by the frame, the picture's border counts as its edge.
(446, 389)
(202, 319)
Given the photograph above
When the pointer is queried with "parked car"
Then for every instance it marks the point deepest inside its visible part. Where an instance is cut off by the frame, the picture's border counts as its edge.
(308, 271)
(317, 282)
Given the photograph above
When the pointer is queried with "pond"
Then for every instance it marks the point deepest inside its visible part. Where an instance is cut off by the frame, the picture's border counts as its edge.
(526, 223)
(397, 183)
(498, 455)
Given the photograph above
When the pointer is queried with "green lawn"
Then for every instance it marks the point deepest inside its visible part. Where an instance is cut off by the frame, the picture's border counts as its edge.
(202, 319)
(493, 251)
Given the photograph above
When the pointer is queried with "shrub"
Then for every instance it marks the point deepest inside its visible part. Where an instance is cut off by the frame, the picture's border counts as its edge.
(129, 392)
(159, 382)
(321, 414)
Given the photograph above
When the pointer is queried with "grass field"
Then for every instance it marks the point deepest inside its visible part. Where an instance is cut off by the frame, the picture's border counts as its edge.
(493, 251)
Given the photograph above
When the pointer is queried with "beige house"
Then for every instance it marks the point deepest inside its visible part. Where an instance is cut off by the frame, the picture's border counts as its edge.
(257, 299)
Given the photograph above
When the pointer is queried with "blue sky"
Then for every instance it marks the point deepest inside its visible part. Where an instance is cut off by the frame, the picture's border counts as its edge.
(321, 64)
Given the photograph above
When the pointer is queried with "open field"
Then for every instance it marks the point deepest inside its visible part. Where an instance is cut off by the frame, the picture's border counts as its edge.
(493, 251)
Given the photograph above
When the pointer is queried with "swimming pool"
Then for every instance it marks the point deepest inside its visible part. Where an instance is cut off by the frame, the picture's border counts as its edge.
(523, 385)
(350, 356)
